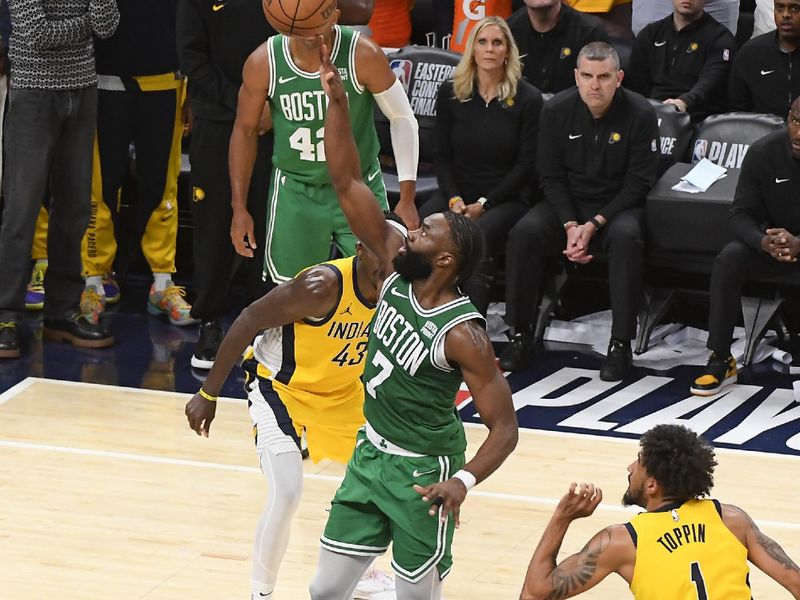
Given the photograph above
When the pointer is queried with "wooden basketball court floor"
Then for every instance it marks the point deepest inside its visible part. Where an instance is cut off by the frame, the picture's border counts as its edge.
(106, 493)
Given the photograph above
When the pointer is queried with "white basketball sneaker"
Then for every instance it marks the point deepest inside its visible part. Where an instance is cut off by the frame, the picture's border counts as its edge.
(375, 585)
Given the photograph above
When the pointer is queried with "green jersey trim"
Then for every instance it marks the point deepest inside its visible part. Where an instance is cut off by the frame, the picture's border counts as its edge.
(308, 74)
(351, 59)
(436, 309)
(386, 283)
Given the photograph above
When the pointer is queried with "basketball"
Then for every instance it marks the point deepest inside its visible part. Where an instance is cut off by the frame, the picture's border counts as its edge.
(299, 17)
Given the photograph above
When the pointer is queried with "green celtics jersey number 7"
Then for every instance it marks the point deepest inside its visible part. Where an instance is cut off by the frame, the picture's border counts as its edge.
(298, 104)
(410, 387)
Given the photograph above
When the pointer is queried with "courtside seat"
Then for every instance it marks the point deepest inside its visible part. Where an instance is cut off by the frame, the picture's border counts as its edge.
(421, 70)
(675, 132)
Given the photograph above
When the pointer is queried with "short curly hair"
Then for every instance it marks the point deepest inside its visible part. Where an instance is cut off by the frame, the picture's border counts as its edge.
(681, 461)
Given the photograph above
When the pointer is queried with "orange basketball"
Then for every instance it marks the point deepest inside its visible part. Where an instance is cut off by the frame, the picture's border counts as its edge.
(300, 17)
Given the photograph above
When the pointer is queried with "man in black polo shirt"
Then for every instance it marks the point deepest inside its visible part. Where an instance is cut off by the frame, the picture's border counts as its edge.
(549, 35)
(765, 221)
(683, 60)
(597, 159)
(765, 77)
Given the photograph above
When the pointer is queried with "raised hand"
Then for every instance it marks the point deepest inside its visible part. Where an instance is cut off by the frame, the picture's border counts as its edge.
(580, 501)
(329, 74)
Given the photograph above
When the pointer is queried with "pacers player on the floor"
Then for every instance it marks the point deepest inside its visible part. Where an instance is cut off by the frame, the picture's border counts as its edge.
(682, 548)
(303, 373)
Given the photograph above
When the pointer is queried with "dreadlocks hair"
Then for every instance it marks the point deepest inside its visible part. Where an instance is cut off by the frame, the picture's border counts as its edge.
(468, 239)
(681, 461)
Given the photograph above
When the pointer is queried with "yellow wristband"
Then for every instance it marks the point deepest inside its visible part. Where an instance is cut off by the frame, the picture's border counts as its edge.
(206, 395)
(454, 200)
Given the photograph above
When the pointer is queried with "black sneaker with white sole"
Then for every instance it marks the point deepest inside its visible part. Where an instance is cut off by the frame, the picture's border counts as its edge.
(718, 374)
(208, 343)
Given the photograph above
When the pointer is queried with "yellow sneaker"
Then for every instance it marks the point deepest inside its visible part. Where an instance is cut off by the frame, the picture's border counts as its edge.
(171, 302)
(718, 374)
(92, 305)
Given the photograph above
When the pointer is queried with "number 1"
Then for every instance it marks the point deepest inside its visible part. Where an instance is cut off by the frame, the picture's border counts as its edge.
(699, 583)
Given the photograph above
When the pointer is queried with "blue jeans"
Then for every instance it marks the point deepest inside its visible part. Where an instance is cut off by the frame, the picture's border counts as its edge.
(49, 139)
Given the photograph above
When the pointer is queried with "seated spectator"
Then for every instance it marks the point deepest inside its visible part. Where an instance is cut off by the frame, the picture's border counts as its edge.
(765, 221)
(549, 35)
(466, 17)
(765, 76)
(597, 160)
(763, 21)
(390, 23)
(51, 119)
(486, 177)
(615, 14)
(649, 11)
(683, 60)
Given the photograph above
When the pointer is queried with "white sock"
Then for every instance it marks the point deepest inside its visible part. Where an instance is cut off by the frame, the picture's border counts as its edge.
(162, 281)
(96, 281)
(41, 261)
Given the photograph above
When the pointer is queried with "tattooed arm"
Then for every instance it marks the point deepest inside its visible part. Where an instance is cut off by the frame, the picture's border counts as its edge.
(762, 551)
(610, 550)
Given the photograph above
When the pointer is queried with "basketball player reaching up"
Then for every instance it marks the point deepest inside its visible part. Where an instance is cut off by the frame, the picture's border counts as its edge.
(303, 373)
(302, 204)
(681, 548)
(407, 478)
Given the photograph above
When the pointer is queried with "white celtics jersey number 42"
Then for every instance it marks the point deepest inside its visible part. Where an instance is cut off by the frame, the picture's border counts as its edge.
(301, 141)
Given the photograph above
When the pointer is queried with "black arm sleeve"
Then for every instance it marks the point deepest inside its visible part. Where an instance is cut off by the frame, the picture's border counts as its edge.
(637, 76)
(712, 78)
(443, 151)
(642, 168)
(207, 81)
(747, 216)
(738, 91)
(509, 187)
(552, 170)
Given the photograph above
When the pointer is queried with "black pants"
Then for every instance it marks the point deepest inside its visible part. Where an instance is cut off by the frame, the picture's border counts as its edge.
(49, 139)
(215, 261)
(736, 264)
(148, 120)
(539, 237)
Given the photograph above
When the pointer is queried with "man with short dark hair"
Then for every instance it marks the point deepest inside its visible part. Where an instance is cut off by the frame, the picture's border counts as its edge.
(549, 35)
(682, 547)
(765, 222)
(683, 60)
(597, 160)
(52, 112)
(765, 76)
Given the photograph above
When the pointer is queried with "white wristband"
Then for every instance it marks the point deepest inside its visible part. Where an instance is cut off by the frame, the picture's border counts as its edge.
(467, 478)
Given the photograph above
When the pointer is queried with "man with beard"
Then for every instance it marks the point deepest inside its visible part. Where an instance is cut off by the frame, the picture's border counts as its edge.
(681, 548)
(303, 376)
(407, 478)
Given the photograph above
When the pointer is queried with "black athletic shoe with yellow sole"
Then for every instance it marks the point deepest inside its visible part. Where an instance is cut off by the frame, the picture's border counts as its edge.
(718, 374)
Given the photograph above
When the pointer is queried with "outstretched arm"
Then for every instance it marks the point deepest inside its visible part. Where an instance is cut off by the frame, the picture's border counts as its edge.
(313, 293)
(762, 551)
(468, 346)
(609, 550)
(358, 204)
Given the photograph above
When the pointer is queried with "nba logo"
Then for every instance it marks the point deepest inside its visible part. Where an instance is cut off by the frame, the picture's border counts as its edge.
(700, 149)
(402, 70)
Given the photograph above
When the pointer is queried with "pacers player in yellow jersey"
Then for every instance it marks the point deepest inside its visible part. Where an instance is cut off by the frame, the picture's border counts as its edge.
(681, 548)
(303, 374)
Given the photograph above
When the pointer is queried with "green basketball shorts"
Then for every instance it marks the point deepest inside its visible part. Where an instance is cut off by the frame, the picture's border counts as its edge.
(376, 504)
(301, 221)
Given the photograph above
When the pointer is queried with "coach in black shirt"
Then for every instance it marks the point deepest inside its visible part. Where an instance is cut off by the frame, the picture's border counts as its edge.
(765, 76)
(765, 221)
(683, 60)
(597, 159)
(549, 35)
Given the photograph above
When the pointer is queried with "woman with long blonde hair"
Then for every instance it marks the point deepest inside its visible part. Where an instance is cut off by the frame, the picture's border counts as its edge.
(487, 121)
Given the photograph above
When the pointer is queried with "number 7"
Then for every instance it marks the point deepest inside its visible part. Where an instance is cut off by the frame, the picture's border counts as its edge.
(386, 367)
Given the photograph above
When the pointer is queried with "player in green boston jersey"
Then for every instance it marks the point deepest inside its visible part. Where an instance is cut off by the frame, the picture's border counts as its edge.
(407, 477)
(303, 214)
